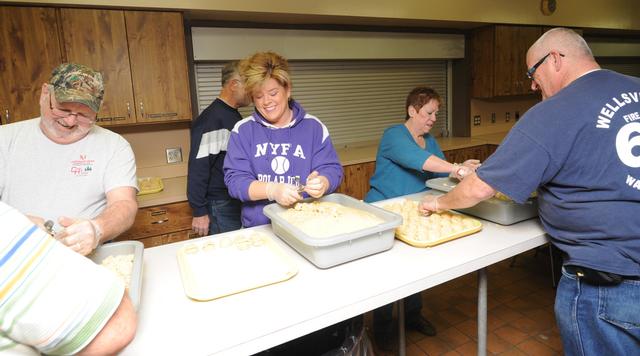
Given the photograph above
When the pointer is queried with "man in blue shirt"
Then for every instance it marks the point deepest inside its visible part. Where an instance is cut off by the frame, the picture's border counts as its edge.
(214, 211)
(580, 149)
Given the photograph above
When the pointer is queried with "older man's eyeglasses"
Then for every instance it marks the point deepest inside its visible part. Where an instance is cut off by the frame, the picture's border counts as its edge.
(533, 69)
(61, 113)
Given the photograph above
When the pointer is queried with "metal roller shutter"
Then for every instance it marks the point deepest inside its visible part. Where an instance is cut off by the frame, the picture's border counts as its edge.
(356, 100)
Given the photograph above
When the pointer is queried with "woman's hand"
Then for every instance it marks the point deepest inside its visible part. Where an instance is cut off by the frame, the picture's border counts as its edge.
(316, 185)
(284, 194)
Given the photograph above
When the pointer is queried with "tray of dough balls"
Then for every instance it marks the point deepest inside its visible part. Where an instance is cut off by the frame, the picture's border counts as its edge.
(334, 229)
(499, 209)
(230, 263)
(125, 260)
(427, 231)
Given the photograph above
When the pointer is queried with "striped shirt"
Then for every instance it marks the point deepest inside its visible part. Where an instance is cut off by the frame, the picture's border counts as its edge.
(52, 299)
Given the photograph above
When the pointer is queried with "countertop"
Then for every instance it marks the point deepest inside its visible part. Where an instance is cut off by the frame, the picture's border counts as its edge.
(172, 324)
(175, 189)
(367, 153)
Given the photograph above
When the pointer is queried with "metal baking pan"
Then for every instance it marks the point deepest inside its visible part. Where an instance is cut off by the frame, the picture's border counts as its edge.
(134, 248)
(496, 210)
(338, 249)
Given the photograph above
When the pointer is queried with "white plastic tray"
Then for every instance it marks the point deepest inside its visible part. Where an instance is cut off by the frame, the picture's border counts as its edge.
(496, 210)
(332, 251)
(135, 248)
(231, 263)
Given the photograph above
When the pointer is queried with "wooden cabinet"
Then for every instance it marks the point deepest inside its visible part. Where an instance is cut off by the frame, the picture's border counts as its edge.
(462, 154)
(158, 65)
(161, 224)
(499, 60)
(30, 49)
(143, 59)
(356, 179)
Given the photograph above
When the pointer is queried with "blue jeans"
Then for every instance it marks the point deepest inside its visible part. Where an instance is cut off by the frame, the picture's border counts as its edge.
(224, 215)
(598, 320)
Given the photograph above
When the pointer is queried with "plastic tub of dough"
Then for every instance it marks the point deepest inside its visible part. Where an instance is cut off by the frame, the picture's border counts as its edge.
(328, 250)
(501, 211)
(230, 263)
(427, 231)
(117, 253)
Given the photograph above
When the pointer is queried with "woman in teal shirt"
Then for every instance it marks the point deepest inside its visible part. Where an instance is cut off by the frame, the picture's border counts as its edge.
(407, 157)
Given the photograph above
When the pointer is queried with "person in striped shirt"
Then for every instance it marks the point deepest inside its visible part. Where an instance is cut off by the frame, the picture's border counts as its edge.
(54, 300)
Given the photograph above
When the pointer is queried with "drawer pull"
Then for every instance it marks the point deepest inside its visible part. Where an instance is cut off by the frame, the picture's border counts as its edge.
(160, 221)
(158, 212)
(192, 235)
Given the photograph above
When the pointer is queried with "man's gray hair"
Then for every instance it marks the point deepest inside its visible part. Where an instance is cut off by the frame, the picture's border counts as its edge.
(567, 39)
(228, 71)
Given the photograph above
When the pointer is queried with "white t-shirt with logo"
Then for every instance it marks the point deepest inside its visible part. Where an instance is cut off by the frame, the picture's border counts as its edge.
(42, 178)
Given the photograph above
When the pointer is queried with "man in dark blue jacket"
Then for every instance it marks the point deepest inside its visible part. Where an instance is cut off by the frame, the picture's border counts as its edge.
(214, 211)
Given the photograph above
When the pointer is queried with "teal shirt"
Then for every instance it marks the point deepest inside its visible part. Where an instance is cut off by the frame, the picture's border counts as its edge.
(399, 164)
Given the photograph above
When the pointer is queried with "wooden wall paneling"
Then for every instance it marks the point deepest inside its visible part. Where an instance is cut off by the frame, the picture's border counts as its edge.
(30, 49)
(98, 39)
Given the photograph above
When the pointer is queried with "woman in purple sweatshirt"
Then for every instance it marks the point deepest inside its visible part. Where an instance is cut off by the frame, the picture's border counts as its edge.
(278, 145)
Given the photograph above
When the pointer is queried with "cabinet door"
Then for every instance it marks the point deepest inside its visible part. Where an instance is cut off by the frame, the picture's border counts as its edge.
(158, 65)
(98, 39)
(462, 154)
(483, 50)
(30, 49)
(511, 45)
(356, 179)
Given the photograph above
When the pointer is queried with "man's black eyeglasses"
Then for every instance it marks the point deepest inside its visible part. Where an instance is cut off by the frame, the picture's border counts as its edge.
(533, 69)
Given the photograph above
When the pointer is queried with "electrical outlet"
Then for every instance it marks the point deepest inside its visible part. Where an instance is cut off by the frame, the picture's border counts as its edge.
(507, 117)
(493, 118)
(476, 120)
(174, 155)
(517, 115)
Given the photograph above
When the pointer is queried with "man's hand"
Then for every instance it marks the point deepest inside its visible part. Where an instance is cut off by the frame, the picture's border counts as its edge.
(429, 205)
(284, 194)
(80, 235)
(38, 221)
(200, 225)
(467, 167)
(472, 164)
(316, 185)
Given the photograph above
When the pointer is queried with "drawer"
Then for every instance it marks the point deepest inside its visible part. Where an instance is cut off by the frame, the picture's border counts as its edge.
(159, 220)
(168, 238)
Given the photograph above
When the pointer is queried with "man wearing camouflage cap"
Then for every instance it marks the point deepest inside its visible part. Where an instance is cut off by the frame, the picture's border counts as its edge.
(62, 167)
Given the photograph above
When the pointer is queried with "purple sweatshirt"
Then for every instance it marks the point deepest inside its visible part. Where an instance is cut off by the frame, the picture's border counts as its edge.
(258, 150)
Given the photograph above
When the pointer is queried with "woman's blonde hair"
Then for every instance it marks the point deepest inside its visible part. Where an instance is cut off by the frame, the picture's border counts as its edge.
(262, 66)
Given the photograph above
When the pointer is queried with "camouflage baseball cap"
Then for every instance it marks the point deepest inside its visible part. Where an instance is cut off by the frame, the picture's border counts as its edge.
(76, 83)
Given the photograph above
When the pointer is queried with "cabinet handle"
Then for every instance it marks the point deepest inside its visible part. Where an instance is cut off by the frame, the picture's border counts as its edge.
(142, 109)
(6, 115)
(192, 235)
(160, 221)
(158, 212)
(128, 109)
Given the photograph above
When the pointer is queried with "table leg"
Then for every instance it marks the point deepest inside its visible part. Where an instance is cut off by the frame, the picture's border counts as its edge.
(482, 312)
(401, 337)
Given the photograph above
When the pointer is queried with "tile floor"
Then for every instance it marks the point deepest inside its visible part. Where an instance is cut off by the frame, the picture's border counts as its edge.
(520, 312)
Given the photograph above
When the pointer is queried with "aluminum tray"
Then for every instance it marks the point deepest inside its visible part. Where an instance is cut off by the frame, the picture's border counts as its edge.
(125, 248)
(496, 210)
(334, 250)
